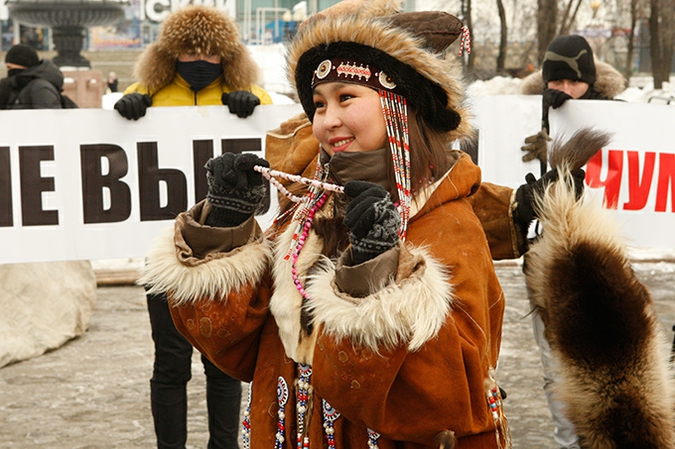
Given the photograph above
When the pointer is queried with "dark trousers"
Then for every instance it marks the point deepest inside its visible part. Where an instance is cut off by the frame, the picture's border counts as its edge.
(168, 387)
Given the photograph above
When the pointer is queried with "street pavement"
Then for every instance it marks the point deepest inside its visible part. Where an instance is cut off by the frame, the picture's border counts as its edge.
(93, 392)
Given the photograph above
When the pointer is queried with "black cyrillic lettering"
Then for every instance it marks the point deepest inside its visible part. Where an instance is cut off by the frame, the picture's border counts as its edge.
(202, 151)
(149, 177)
(94, 182)
(6, 218)
(33, 184)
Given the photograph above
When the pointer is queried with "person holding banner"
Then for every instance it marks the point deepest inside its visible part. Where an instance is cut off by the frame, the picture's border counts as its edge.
(198, 59)
(569, 71)
(372, 298)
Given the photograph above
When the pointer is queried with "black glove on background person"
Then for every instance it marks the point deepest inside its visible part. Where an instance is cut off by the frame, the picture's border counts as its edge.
(524, 212)
(536, 146)
(372, 219)
(235, 189)
(240, 102)
(555, 98)
(133, 106)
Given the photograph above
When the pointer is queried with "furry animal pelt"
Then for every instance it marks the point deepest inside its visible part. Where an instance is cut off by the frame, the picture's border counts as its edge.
(600, 320)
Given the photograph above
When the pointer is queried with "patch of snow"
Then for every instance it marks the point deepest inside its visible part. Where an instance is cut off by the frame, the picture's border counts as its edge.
(499, 85)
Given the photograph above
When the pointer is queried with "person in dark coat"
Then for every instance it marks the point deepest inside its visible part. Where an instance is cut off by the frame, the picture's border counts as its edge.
(31, 83)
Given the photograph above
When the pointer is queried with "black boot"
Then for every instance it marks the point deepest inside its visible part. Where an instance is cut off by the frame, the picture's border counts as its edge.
(169, 411)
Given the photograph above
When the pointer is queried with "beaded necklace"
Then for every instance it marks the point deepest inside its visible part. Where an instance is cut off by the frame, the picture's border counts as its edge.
(330, 415)
(303, 393)
(282, 399)
(246, 423)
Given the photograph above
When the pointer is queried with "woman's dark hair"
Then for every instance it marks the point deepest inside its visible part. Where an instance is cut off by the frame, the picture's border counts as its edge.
(428, 160)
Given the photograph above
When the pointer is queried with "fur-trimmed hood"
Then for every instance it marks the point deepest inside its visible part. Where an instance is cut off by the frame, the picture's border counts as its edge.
(608, 82)
(407, 50)
(196, 29)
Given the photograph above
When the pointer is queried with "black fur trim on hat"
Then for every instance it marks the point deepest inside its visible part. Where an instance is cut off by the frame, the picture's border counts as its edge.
(427, 97)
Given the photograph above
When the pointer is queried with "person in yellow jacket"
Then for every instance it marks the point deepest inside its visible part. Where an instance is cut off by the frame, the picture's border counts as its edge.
(198, 59)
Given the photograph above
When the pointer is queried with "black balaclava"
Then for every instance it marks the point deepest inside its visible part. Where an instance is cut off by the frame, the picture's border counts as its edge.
(14, 72)
(199, 74)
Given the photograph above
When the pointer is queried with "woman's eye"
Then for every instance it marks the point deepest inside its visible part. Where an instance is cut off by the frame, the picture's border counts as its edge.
(345, 97)
(319, 104)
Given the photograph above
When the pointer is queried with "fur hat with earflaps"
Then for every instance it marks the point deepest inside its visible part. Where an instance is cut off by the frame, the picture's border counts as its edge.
(375, 44)
(202, 30)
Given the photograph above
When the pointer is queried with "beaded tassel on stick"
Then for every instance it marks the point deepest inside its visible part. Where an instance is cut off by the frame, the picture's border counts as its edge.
(395, 110)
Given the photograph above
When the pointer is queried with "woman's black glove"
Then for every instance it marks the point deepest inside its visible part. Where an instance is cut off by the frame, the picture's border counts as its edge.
(554, 98)
(240, 102)
(235, 189)
(133, 106)
(372, 219)
(525, 212)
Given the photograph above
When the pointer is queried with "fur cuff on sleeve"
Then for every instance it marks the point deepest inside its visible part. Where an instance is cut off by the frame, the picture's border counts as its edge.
(410, 310)
(214, 276)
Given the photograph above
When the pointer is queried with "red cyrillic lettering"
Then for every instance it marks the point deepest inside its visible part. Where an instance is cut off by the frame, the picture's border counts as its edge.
(612, 184)
(639, 186)
(666, 175)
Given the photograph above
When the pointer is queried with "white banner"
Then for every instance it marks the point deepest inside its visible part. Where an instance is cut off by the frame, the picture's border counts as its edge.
(89, 184)
(634, 176)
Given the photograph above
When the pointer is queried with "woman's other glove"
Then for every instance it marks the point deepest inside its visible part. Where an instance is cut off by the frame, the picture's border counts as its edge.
(554, 98)
(235, 189)
(133, 106)
(536, 146)
(372, 220)
(524, 212)
(240, 102)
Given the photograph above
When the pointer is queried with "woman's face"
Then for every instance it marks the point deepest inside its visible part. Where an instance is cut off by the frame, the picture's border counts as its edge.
(348, 118)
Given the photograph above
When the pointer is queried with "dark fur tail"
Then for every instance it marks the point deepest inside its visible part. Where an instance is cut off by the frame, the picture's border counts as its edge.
(575, 152)
(600, 320)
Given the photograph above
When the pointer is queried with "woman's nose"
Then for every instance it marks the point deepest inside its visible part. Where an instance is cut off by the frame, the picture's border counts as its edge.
(332, 118)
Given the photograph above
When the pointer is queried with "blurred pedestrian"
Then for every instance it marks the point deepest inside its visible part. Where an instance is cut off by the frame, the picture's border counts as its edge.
(31, 83)
(569, 71)
(112, 82)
